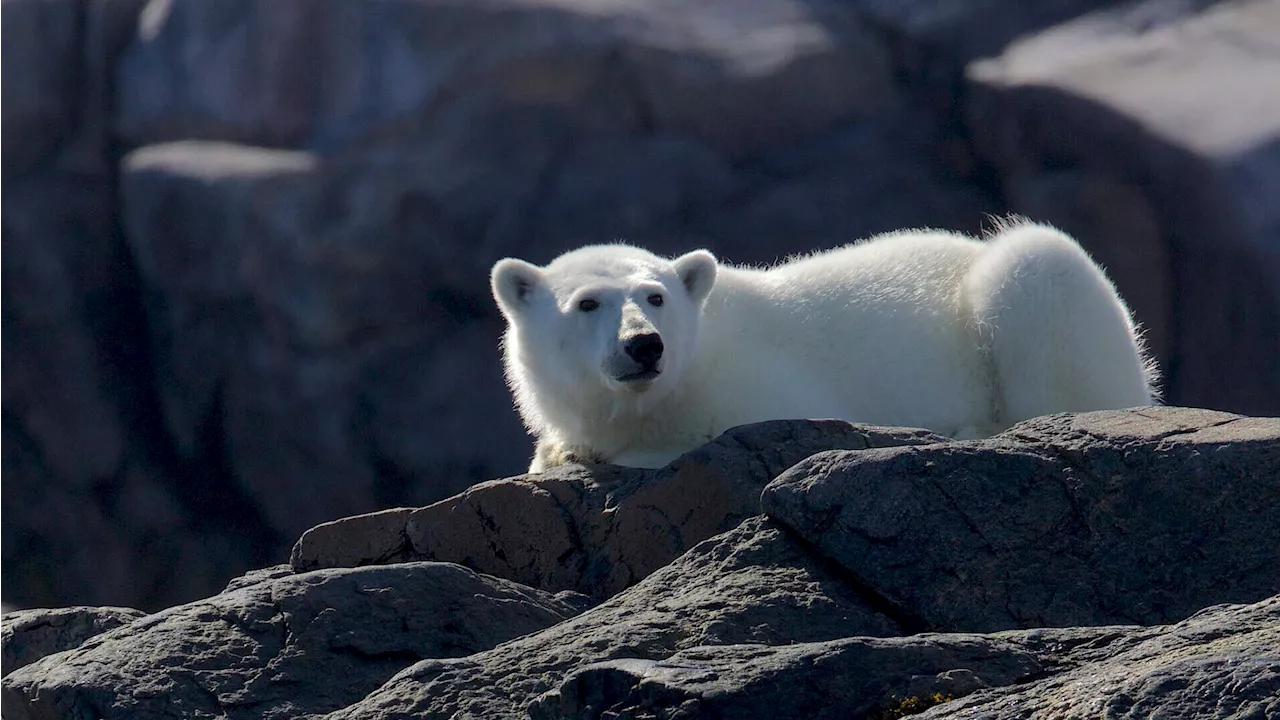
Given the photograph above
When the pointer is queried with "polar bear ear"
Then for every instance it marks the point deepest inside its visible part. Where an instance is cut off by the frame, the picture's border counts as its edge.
(697, 270)
(514, 282)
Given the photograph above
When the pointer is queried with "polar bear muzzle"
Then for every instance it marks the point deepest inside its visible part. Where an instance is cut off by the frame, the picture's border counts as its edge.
(646, 351)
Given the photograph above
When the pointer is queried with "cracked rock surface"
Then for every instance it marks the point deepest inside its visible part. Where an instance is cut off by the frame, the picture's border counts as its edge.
(1223, 662)
(247, 242)
(750, 585)
(1142, 516)
(28, 635)
(1073, 566)
(285, 647)
(594, 530)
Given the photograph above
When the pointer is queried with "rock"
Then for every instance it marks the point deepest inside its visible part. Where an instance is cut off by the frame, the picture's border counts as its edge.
(593, 530)
(253, 577)
(809, 197)
(289, 647)
(827, 609)
(90, 515)
(1221, 662)
(752, 623)
(370, 539)
(1138, 516)
(246, 241)
(56, 391)
(629, 121)
(309, 362)
(750, 585)
(293, 74)
(322, 331)
(42, 61)
(29, 635)
(1148, 130)
(853, 677)
(634, 188)
(968, 29)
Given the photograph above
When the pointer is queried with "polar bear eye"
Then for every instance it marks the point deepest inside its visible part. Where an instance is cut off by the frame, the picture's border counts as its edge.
(588, 304)
(656, 300)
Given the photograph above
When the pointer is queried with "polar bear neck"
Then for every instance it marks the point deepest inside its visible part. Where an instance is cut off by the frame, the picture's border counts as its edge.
(607, 423)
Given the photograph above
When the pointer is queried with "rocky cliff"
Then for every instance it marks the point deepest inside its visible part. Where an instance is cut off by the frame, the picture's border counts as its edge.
(1119, 564)
(246, 241)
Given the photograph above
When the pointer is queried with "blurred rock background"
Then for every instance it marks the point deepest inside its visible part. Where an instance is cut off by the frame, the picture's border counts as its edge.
(246, 242)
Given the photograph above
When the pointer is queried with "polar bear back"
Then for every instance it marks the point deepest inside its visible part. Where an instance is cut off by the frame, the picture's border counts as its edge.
(880, 326)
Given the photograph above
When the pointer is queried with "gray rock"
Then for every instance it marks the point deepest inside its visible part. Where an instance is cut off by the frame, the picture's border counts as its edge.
(296, 75)
(807, 198)
(968, 29)
(821, 611)
(55, 390)
(1224, 662)
(753, 624)
(41, 61)
(594, 530)
(1113, 127)
(565, 122)
(1220, 663)
(214, 347)
(854, 677)
(302, 354)
(90, 509)
(131, 535)
(370, 539)
(289, 647)
(253, 577)
(1138, 516)
(28, 635)
(750, 585)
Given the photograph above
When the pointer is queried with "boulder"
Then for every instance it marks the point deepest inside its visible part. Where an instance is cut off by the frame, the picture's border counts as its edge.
(28, 635)
(752, 584)
(659, 124)
(246, 241)
(962, 30)
(1221, 662)
(973, 579)
(296, 348)
(853, 677)
(294, 74)
(68, 381)
(41, 64)
(93, 510)
(872, 176)
(1141, 516)
(56, 391)
(594, 530)
(1149, 130)
(288, 647)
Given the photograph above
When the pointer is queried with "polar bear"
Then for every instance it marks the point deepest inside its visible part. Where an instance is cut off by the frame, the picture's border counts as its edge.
(616, 355)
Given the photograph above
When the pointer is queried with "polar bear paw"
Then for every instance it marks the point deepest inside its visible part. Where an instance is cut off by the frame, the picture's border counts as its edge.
(549, 454)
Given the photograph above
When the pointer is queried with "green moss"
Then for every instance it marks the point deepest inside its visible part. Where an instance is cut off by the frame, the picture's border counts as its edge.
(914, 705)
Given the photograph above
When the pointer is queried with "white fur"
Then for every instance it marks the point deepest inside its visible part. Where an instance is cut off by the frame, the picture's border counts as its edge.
(918, 328)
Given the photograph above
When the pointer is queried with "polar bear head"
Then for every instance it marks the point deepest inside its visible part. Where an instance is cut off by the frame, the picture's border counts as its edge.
(599, 328)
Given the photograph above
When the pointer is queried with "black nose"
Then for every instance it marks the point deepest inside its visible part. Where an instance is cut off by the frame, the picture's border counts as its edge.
(645, 349)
